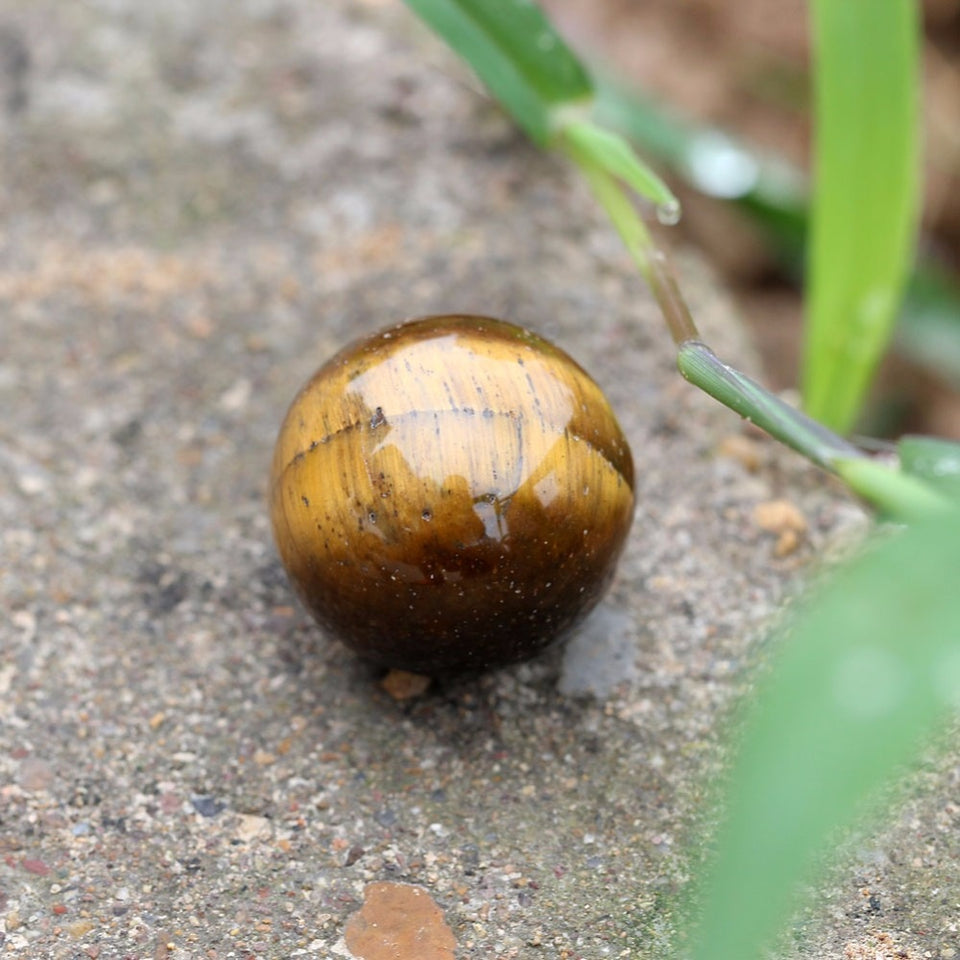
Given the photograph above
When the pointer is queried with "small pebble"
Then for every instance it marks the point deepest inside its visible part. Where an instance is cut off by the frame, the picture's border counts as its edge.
(403, 685)
(398, 920)
(744, 450)
(784, 519)
(776, 516)
(35, 774)
(207, 806)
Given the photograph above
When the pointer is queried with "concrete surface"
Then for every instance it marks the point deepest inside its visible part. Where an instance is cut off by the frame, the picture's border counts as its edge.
(200, 202)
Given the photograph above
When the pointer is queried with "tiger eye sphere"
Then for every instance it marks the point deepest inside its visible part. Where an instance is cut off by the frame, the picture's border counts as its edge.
(450, 494)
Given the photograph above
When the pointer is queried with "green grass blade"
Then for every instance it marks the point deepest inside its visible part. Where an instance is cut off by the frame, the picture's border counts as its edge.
(701, 366)
(516, 52)
(870, 670)
(901, 495)
(865, 195)
(610, 152)
(712, 162)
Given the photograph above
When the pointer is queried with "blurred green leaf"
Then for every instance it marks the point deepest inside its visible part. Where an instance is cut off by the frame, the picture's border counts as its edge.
(774, 195)
(871, 668)
(866, 195)
(936, 461)
(929, 328)
(516, 52)
(896, 494)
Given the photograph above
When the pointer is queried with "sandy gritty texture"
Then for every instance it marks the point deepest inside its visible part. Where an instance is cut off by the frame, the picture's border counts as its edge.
(200, 202)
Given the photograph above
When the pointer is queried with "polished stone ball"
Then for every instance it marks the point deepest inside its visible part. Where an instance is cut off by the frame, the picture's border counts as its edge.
(450, 494)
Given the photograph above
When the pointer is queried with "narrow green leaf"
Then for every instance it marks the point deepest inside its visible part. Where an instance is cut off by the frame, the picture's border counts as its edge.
(516, 52)
(865, 198)
(614, 200)
(870, 670)
(895, 493)
(653, 264)
(702, 367)
(612, 153)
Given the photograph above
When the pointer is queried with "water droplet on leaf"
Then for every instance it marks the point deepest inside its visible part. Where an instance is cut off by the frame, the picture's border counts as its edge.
(669, 213)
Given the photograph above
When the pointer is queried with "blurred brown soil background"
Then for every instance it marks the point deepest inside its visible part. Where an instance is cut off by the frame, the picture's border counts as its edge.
(743, 67)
